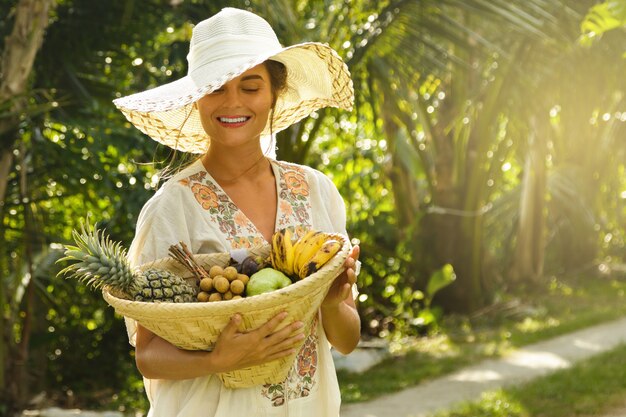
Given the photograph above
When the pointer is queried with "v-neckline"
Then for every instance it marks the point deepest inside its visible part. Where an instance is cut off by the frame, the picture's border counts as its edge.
(277, 179)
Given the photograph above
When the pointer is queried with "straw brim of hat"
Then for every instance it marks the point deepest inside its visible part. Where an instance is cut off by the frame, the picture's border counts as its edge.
(196, 326)
(316, 78)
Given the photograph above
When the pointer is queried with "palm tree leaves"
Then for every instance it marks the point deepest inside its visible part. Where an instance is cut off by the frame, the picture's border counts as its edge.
(602, 18)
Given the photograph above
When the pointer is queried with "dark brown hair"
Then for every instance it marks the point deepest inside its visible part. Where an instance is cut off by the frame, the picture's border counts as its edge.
(278, 81)
(278, 78)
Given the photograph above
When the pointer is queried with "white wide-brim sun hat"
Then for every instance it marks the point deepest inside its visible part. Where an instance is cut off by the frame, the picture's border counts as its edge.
(222, 48)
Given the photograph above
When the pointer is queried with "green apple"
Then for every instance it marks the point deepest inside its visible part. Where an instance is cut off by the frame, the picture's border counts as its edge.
(266, 280)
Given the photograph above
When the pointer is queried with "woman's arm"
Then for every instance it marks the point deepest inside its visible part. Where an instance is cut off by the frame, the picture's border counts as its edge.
(340, 318)
(158, 359)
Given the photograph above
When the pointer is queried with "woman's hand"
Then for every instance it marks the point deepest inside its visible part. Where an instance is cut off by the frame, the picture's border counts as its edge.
(341, 289)
(235, 349)
(158, 359)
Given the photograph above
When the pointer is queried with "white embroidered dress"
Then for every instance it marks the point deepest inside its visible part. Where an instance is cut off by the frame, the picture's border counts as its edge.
(191, 207)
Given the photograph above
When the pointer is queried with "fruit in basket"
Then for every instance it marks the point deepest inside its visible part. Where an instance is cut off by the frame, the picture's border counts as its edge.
(206, 284)
(266, 280)
(319, 259)
(216, 283)
(243, 278)
(224, 289)
(250, 265)
(230, 273)
(306, 255)
(101, 262)
(237, 287)
(216, 270)
(282, 252)
(221, 284)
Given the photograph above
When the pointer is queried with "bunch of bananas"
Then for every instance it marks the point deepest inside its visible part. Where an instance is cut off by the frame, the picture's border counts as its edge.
(301, 258)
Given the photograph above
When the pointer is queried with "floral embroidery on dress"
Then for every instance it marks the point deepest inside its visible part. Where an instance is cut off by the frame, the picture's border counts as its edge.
(221, 209)
(301, 378)
(294, 206)
(293, 190)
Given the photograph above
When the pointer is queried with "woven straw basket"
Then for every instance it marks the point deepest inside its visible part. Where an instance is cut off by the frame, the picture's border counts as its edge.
(196, 326)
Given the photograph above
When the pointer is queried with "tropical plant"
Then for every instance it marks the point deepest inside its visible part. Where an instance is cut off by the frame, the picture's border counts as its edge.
(442, 126)
(491, 155)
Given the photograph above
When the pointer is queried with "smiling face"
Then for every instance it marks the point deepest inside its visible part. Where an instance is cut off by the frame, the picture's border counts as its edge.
(237, 113)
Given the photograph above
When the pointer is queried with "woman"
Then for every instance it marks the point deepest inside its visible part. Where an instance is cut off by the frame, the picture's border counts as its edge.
(242, 85)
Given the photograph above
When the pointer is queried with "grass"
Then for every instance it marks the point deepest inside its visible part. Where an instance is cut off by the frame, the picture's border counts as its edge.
(590, 388)
(556, 308)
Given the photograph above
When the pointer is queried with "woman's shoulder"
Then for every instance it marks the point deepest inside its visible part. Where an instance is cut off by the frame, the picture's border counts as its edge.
(173, 190)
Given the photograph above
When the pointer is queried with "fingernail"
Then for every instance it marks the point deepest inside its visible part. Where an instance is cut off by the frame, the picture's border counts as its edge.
(298, 325)
(282, 315)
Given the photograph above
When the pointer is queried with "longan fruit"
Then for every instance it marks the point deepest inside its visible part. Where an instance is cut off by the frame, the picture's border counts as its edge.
(237, 287)
(243, 278)
(230, 273)
(203, 297)
(228, 295)
(236, 297)
(206, 284)
(216, 296)
(221, 284)
(215, 271)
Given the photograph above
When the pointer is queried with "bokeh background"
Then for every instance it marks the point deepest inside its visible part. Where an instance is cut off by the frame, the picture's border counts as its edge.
(484, 162)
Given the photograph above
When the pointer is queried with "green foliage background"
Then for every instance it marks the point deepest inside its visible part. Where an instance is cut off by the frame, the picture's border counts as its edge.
(487, 144)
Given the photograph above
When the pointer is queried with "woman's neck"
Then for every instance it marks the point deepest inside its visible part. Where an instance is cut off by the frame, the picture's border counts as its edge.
(231, 166)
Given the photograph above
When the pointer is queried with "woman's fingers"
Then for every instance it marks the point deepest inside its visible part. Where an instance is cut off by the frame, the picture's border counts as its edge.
(355, 252)
(271, 325)
(351, 275)
(353, 256)
(232, 327)
(268, 334)
(285, 346)
(293, 330)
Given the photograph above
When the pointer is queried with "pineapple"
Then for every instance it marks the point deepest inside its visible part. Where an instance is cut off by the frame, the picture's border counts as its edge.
(101, 262)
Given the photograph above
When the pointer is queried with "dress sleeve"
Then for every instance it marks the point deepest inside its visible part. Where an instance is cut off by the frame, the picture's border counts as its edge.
(329, 209)
(161, 223)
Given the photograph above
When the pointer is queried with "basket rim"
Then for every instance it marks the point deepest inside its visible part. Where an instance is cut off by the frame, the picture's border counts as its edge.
(297, 289)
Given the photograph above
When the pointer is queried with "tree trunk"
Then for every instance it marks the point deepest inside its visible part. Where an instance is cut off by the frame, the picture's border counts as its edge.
(20, 49)
(456, 233)
(529, 249)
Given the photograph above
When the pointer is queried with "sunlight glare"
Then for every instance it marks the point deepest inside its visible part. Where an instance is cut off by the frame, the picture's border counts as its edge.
(554, 111)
